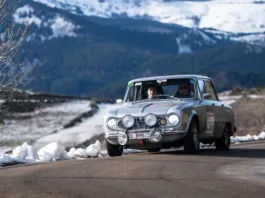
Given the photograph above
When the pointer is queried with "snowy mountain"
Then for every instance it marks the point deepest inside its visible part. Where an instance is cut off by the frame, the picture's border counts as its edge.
(237, 16)
(229, 17)
(57, 23)
(82, 47)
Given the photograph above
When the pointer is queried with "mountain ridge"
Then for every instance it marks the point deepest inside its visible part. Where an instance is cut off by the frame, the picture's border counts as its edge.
(231, 16)
(89, 55)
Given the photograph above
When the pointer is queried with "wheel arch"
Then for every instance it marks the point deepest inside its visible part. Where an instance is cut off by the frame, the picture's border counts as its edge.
(193, 116)
(229, 125)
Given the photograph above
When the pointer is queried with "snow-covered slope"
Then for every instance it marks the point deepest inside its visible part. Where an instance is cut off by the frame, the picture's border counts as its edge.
(236, 16)
(29, 126)
(80, 133)
(60, 27)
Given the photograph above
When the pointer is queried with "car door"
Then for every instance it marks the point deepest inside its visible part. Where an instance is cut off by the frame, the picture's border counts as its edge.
(218, 110)
(218, 126)
(208, 103)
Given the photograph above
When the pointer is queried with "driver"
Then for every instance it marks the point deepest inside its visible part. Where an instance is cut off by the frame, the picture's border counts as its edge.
(151, 91)
(183, 90)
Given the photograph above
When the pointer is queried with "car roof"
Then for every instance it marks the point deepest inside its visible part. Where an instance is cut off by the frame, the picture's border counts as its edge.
(169, 77)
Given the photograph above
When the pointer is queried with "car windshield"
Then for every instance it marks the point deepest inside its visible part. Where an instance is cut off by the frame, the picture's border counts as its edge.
(160, 89)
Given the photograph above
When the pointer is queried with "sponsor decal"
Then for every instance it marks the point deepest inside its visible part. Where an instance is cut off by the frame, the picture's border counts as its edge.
(210, 122)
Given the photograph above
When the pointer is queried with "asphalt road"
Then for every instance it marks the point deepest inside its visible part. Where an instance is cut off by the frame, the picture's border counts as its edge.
(239, 172)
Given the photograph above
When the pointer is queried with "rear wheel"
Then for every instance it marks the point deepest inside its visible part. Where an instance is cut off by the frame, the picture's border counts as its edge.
(114, 150)
(191, 140)
(224, 142)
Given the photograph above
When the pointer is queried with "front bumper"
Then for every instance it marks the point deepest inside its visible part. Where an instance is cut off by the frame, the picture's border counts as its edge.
(168, 135)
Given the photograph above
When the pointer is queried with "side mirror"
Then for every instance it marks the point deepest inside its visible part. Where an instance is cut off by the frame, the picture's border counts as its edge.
(119, 101)
(207, 95)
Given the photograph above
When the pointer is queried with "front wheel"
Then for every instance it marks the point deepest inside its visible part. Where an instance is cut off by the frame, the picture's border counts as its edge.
(114, 150)
(224, 142)
(191, 140)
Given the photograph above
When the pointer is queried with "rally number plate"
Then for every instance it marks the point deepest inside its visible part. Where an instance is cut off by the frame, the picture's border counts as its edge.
(142, 135)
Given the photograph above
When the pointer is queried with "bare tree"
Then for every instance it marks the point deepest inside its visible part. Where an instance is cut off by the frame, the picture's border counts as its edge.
(11, 37)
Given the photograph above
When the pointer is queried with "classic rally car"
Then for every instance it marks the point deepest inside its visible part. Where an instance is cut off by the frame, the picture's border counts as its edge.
(169, 111)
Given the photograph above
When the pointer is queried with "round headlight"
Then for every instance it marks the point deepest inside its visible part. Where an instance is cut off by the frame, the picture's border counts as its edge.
(155, 136)
(150, 120)
(173, 120)
(112, 124)
(128, 121)
(122, 138)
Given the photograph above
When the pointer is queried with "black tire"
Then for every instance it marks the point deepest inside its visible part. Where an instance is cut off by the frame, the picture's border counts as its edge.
(191, 140)
(154, 150)
(224, 142)
(114, 150)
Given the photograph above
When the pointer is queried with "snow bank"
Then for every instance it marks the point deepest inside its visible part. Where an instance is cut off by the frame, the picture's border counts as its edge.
(248, 138)
(92, 150)
(51, 152)
(55, 151)
(240, 139)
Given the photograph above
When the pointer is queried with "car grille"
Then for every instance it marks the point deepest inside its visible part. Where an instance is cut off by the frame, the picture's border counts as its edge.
(139, 124)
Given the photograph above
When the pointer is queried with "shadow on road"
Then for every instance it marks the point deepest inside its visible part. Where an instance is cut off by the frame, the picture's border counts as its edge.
(233, 152)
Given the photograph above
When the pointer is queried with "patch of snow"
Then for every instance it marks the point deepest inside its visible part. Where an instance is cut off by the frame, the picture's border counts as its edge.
(59, 25)
(255, 39)
(182, 48)
(26, 10)
(131, 151)
(230, 97)
(61, 28)
(256, 96)
(21, 154)
(52, 152)
(248, 138)
(224, 97)
(229, 102)
(93, 150)
(206, 38)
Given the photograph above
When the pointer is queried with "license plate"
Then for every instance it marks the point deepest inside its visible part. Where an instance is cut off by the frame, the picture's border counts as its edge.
(142, 135)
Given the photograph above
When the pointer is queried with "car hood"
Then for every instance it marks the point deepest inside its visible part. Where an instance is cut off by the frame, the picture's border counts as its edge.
(143, 108)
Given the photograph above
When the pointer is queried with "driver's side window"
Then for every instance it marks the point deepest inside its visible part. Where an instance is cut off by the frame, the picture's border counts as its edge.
(210, 89)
